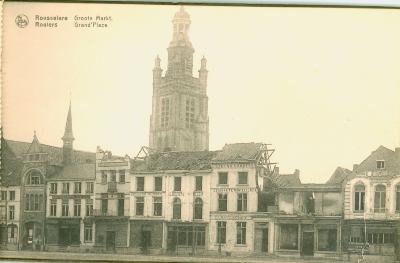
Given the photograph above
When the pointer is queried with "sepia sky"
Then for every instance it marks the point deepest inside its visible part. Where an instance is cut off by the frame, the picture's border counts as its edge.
(321, 85)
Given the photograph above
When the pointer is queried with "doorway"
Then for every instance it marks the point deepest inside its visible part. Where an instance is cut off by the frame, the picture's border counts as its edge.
(264, 243)
(307, 248)
(110, 241)
(146, 241)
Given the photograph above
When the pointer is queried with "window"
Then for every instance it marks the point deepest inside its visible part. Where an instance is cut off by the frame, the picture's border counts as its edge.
(11, 212)
(139, 183)
(27, 202)
(121, 176)
(380, 164)
(176, 209)
(199, 183)
(381, 238)
(242, 202)
(359, 198)
(65, 208)
(77, 207)
(103, 177)
(198, 208)
(121, 206)
(53, 188)
(222, 202)
(243, 177)
(288, 237)
(398, 198)
(36, 203)
(157, 206)
(34, 178)
(327, 239)
(380, 199)
(12, 195)
(88, 234)
(241, 233)
(139, 206)
(77, 188)
(177, 183)
(158, 183)
(53, 207)
(12, 234)
(221, 232)
(186, 235)
(3, 195)
(65, 189)
(223, 178)
(89, 207)
(357, 234)
(164, 112)
(113, 176)
(189, 118)
(104, 206)
(89, 187)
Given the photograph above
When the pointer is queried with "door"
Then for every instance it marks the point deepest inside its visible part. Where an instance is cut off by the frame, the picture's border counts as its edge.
(146, 241)
(264, 243)
(307, 247)
(110, 240)
(172, 240)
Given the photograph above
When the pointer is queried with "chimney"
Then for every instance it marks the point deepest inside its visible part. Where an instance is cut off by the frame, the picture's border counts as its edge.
(276, 170)
(355, 167)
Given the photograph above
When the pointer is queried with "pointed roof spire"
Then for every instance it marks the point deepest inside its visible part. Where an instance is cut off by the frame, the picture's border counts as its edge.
(68, 135)
(35, 145)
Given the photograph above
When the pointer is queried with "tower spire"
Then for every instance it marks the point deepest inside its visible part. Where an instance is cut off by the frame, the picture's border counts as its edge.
(68, 139)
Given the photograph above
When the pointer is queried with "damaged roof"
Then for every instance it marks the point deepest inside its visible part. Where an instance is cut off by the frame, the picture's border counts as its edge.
(339, 175)
(239, 152)
(199, 160)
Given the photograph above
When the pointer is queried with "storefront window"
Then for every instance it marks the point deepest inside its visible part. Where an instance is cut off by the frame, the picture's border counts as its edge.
(288, 236)
(327, 239)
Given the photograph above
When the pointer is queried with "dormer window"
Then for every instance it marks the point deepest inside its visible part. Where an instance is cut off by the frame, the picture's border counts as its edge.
(380, 164)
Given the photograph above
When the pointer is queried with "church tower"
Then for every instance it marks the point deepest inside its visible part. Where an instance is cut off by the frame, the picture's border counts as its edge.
(179, 119)
(68, 139)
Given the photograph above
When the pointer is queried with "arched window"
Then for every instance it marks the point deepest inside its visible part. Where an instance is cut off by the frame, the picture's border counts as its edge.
(398, 198)
(359, 197)
(380, 199)
(34, 178)
(198, 208)
(176, 209)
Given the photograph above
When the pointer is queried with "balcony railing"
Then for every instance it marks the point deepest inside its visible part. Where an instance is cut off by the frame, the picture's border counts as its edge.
(99, 212)
(112, 187)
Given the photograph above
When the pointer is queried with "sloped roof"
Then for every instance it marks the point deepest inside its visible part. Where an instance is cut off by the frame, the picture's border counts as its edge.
(54, 153)
(391, 158)
(282, 180)
(82, 171)
(339, 175)
(11, 166)
(239, 152)
(200, 160)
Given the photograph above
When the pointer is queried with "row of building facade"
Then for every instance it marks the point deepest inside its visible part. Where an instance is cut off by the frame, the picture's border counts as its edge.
(225, 201)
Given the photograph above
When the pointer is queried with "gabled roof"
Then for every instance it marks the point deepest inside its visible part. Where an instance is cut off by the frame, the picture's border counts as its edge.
(339, 175)
(54, 153)
(391, 158)
(239, 152)
(199, 160)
